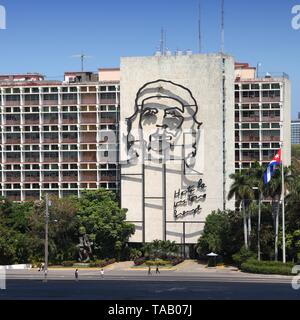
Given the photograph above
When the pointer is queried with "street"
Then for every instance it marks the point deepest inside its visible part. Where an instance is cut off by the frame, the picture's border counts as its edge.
(137, 285)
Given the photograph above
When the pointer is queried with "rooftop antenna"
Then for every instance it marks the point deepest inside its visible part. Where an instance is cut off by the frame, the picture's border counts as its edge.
(162, 41)
(223, 27)
(199, 29)
(82, 57)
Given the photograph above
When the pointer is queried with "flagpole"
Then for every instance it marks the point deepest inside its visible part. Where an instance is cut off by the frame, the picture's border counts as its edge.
(283, 208)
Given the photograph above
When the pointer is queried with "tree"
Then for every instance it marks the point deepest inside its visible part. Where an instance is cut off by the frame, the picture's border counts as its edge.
(104, 222)
(222, 234)
(241, 188)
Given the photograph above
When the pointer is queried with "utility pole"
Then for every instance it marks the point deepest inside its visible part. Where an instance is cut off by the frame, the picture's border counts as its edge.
(283, 208)
(46, 238)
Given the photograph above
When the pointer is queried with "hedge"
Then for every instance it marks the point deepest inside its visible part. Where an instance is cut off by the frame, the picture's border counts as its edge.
(102, 263)
(267, 267)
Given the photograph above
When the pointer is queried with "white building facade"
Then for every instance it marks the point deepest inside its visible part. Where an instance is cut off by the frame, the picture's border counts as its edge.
(176, 143)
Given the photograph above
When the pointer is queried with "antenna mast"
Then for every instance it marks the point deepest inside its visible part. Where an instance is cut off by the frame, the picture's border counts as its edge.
(162, 41)
(199, 29)
(82, 57)
(223, 27)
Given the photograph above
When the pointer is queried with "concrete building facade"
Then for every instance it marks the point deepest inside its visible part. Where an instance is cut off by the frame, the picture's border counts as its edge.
(295, 126)
(177, 143)
(53, 134)
(164, 132)
(262, 117)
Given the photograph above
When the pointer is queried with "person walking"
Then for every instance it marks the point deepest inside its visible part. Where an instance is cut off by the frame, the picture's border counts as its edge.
(76, 275)
(102, 273)
(149, 271)
(157, 270)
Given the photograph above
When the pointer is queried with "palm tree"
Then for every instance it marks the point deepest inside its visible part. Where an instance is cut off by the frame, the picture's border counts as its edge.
(274, 191)
(257, 176)
(242, 190)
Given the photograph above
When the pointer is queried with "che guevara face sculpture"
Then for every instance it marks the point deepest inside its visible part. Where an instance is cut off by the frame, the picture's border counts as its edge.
(165, 114)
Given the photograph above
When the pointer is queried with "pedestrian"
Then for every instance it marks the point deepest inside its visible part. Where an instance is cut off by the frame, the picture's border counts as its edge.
(76, 275)
(157, 270)
(149, 271)
(102, 273)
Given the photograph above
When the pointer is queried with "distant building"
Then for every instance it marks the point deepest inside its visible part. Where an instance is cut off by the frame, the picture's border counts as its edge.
(262, 116)
(296, 131)
(49, 134)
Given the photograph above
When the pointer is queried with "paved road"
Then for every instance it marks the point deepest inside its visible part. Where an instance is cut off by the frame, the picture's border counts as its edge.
(136, 285)
(145, 290)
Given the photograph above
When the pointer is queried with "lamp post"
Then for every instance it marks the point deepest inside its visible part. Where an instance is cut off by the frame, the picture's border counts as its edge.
(259, 223)
(46, 238)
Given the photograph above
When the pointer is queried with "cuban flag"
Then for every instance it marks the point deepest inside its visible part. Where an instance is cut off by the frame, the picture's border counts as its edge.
(271, 167)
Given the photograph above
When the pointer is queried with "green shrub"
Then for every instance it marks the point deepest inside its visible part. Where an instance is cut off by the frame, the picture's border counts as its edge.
(242, 256)
(267, 267)
(139, 261)
(102, 263)
(68, 263)
(135, 254)
(157, 263)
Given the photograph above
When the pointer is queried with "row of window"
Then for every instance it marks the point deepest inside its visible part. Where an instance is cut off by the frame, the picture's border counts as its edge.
(256, 86)
(80, 167)
(56, 89)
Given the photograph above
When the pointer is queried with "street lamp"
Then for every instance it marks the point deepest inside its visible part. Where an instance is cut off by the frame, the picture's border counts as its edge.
(46, 237)
(259, 223)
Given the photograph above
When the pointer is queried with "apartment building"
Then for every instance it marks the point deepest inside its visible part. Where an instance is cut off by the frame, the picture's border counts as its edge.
(296, 130)
(53, 134)
(262, 116)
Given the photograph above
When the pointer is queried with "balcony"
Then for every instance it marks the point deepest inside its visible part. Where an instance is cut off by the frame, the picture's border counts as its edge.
(13, 160)
(50, 102)
(88, 138)
(108, 178)
(32, 160)
(13, 103)
(113, 120)
(88, 118)
(250, 138)
(49, 179)
(89, 176)
(88, 98)
(50, 121)
(89, 157)
(250, 158)
(32, 141)
(31, 179)
(271, 119)
(50, 160)
(69, 121)
(270, 99)
(51, 141)
(271, 138)
(13, 179)
(14, 198)
(15, 122)
(250, 119)
(32, 121)
(69, 178)
(13, 141)
(249, 99)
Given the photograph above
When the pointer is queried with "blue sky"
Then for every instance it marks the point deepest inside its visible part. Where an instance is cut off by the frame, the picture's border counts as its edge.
(41, 36)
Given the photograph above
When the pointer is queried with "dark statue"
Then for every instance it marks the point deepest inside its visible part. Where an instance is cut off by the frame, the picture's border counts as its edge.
(85, 249)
